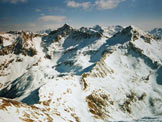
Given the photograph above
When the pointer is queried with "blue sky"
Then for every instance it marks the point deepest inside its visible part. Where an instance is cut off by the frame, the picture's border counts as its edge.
(36, 15)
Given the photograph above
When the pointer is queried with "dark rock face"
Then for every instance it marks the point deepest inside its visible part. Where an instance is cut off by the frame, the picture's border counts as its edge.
(1, 40)
(63, 31)
(23, 45)
(20, 46)
(7, 50)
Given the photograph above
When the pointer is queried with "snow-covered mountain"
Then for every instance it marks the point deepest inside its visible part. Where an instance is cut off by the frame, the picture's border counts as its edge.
(46, 31)
(96, 74)
(157, 32)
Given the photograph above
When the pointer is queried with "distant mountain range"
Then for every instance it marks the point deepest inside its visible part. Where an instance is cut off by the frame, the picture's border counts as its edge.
(157, 32)
(95, 74)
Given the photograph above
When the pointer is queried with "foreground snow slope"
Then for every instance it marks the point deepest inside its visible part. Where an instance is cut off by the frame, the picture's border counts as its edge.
(87, 75)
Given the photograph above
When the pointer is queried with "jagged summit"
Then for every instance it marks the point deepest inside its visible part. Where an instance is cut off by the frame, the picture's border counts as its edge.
(98, 28)
(64, 30)
(132, 28)
(135, 33)
(65, 27)
(83, 29)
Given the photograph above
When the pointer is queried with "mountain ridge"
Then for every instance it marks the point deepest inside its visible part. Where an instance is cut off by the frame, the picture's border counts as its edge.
(86, 74)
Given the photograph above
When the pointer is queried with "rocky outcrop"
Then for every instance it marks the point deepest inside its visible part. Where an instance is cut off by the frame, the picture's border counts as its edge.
(25, 45)
(22, 45)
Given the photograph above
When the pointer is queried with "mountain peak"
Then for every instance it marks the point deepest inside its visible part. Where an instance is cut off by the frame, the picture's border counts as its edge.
(131, 27)
(66, 26)
(65, 29)
(127, 30)
(98, 28)
(133, 30)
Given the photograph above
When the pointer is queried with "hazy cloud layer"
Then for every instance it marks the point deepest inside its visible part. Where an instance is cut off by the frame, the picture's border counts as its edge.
(99, 4)
(14, 1)
(42, 22)
(57, 19)
(17, 27)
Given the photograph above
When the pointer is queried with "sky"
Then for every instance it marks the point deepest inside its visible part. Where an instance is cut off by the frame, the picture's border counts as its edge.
(34, 15)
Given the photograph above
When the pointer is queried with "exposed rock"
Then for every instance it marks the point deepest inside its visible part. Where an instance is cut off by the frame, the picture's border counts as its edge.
(98, 102)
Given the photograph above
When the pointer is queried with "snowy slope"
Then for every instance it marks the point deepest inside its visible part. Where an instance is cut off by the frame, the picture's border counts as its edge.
(96, 74)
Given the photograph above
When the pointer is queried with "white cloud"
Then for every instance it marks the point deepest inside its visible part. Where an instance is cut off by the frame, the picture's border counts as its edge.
(15, 1)
(57, 19)
(107, 4)
(74, 4)
(99, 4)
